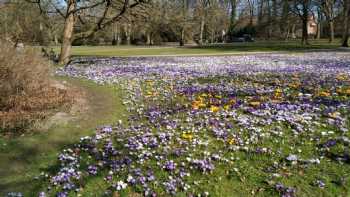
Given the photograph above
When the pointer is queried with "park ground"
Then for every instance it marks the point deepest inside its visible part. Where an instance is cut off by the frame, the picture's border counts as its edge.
(214, 49)
(25, 157)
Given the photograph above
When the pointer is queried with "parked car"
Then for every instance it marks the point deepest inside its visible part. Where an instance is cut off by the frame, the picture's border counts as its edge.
(244, 38)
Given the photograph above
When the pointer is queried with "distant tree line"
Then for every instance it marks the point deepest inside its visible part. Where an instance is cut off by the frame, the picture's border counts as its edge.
(153, 22)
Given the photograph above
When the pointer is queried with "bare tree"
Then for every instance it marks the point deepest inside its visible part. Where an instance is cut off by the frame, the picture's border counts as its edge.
(251, 12)
(285, 23)
(105, 13)
(270, 21)
(233, 4)
(260, 11)
(327, 7)
(202, 6)
(319, 23)
(346, 23)
(302, 9)
(275, 17)
(87, 21)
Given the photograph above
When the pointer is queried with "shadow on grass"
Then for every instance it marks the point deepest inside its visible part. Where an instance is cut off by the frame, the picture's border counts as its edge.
(267, 47)
(23, 174)
(210, 49)
(24, 158)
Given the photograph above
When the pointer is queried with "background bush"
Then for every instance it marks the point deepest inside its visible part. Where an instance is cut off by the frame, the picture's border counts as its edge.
(26, 93)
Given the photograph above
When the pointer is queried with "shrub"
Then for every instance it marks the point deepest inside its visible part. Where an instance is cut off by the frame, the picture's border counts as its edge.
(26, 93)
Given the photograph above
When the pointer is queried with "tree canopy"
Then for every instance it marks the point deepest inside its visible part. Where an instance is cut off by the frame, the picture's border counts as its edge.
(103, 22)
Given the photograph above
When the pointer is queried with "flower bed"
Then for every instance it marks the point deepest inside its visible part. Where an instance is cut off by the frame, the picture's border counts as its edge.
(205, 125)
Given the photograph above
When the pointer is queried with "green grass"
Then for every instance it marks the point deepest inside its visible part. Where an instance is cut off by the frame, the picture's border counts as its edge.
(25, 157)
(220, 49)
(252, 177)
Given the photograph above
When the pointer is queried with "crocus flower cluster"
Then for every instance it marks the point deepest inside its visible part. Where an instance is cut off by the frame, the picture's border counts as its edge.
(194, 119)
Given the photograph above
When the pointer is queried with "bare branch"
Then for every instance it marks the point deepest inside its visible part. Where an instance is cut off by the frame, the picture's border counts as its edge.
(104, 22)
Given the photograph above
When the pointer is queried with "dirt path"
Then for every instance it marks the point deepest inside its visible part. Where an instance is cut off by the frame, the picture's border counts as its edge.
(23, 158)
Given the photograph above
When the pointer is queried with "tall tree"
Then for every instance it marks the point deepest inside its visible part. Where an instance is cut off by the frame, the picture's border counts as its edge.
(218, 22)
(233, 4)
(319, 23)
(302, 9)
(103, 12)
(346, 20)
(284, 22)
(327, 7)
(251, 12)
(261, 12)
(184, 23)
(275, 17)
(270, 20)
(202, 7)
(20, 22)
(68, 31)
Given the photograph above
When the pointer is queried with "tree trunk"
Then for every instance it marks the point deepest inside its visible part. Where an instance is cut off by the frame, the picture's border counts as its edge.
(287, 34)
(129, 34)
(318, 36)
(127, 29)
(269, 26)
(305, 19)
(304, 38)
(223, 34)
(331, 30)
(56, 39)
(149, 39)
(284, 23)
(202, 30)
(319, 24)
(182, 39)
(274, 17)
(327, 7)
(251, 12)
(115, 40)
(346, 23)
(260, 12)
(293, 31)
(233, 15)
(67, 33)
(184, 12)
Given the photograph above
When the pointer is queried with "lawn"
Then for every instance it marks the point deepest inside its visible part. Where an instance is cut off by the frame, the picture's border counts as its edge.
(24, 158)
(251, 125)
(219, 49)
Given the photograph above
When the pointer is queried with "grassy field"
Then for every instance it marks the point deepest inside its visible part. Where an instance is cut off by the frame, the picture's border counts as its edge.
(246, 174)
(27, 156)
(225, 135)
(220, 49)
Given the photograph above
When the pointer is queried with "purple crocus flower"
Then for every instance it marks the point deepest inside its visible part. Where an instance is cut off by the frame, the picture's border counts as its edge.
(170, 165)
